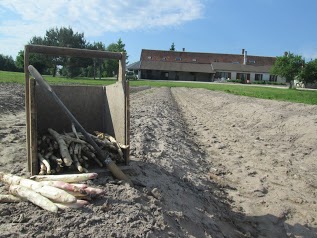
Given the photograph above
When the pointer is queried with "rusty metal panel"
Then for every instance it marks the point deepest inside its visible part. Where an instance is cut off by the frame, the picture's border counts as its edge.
(84, 102)
(115, 115)
(97, 108)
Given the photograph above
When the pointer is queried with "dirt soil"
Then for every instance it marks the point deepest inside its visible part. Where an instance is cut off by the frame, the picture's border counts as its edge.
(204, 164)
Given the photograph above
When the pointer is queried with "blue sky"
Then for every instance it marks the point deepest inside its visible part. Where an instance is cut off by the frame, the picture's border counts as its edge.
(262, 27)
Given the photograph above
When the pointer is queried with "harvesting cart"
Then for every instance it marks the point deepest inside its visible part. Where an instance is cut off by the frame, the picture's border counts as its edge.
(97, 108)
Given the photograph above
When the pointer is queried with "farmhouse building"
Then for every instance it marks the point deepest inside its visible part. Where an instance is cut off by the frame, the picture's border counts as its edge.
(209, 67)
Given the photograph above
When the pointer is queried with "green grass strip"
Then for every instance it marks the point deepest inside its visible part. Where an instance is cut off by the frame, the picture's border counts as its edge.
(14, 77)
(280, 94)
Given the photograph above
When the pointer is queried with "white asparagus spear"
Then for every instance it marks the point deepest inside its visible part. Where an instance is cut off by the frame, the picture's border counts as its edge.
(78, 204)
(9, 178)
(91, 190)
(42, 169)
(67, 178)
(80, 185)
(62, 146)
(33, 197)
(64, 186)
(50, 192)
(45, 162)
(9, 198)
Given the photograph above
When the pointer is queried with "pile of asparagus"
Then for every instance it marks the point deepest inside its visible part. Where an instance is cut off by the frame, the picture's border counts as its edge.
(50, 192)
(71, 151)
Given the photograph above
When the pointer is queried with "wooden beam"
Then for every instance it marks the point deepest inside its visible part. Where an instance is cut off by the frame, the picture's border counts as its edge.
(65, 51)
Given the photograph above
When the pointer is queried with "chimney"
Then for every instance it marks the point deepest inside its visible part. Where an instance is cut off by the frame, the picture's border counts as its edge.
(183, 49)
(242, 52)
(245, 57)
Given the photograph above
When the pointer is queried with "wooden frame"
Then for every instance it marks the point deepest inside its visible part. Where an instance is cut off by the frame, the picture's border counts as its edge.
(115, 114)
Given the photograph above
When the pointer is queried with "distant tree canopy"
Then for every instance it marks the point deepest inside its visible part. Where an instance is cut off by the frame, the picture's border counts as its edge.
(288, 66)
(112, 65)
(309, 72)
(172, 47)
(70, 66)
(7, 63)
(291, 66)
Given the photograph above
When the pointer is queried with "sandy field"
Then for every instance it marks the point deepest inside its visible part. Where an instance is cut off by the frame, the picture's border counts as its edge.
(203, 163)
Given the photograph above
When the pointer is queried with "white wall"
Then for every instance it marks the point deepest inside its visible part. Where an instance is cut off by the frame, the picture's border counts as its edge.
(252, 77)
(139, 74)
(266, 77)
(233, 75)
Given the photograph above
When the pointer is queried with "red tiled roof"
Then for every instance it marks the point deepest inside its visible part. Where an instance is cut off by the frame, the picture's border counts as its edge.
(219, 67)
(203, 58)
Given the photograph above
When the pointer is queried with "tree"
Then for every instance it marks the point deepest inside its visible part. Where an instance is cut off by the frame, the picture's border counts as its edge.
(66, 37)
(288, 66)
(38, 61)
(71, 66)
(91, 69)
(113, 65)
(62, 37)
(19, 61)
(7, 63)
(309, 72)
(172, 47)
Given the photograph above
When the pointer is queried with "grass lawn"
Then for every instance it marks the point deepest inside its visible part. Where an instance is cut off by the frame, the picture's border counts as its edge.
(13, 77)
(300, 96)
(281, 94)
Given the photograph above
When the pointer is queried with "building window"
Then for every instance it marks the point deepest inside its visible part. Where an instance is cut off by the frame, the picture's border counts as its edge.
(164, 75)
(178, 58)
(194, 60)
(164, 58)
(149, 57)
(223, 75)
(252, 61)
(245, 78)
(273, 78)
(241, 76)
(258, 77)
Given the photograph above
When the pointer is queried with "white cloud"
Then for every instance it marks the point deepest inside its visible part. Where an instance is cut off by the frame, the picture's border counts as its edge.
(94, 17)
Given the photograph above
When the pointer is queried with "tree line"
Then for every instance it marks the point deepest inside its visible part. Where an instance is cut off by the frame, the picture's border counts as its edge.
(66, 66)
(7, 63)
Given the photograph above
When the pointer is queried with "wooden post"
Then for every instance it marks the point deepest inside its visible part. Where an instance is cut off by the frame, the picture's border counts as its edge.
(127, 96)
(34, 165)
(125, 84)
(27, 103)
(122, 67)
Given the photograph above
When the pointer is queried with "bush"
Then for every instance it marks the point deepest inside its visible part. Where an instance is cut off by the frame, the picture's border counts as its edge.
(234, 81)
(259, 82)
